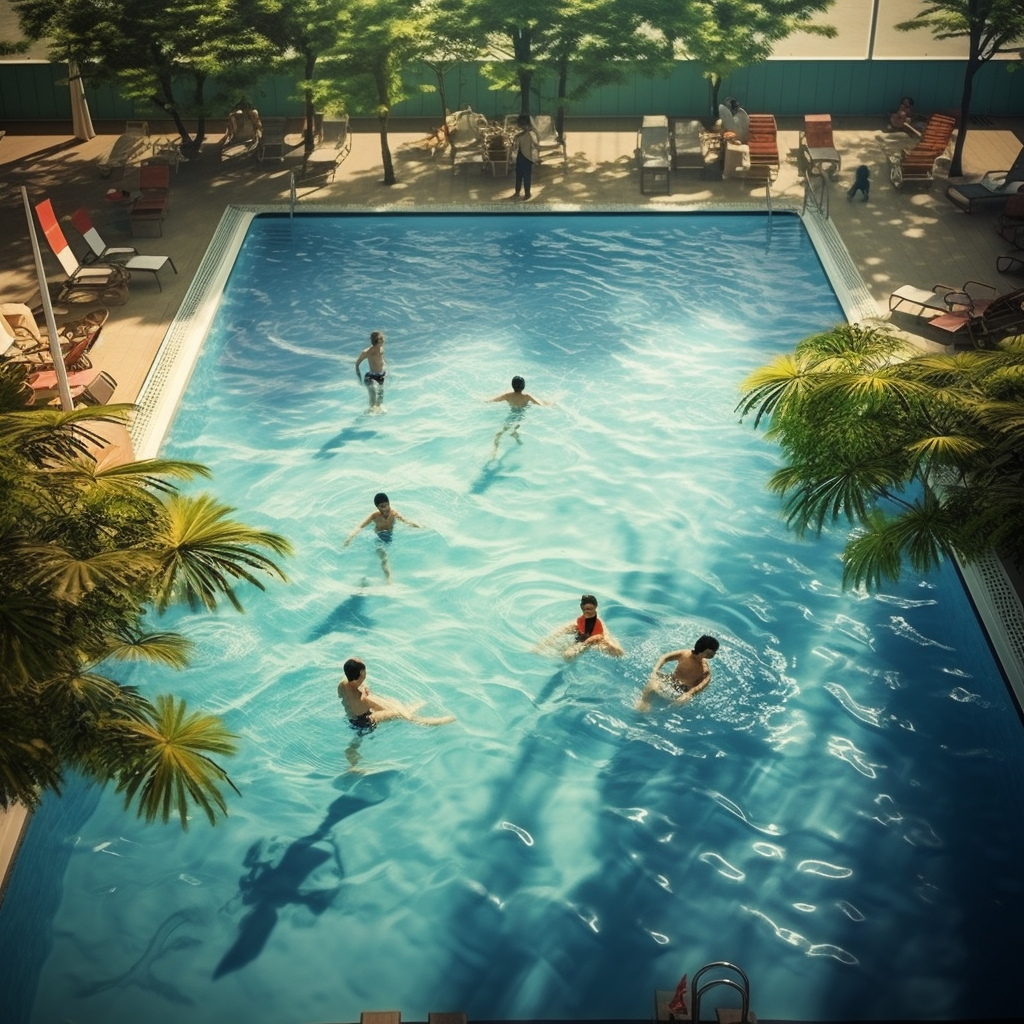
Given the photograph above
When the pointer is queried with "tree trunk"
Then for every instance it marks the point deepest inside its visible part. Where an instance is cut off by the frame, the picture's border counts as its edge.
(956, 165)
(197, 97)
(716, 83)
(389, 178)
(563, 85)
(307, 102)
(521, 48)
(165, 101)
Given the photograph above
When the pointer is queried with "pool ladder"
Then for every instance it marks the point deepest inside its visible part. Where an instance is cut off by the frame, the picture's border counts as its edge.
(698, 989)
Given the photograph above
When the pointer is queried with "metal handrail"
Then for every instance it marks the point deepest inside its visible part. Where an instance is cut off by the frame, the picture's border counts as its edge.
(820, 202)
(699, 990)
(294, 193)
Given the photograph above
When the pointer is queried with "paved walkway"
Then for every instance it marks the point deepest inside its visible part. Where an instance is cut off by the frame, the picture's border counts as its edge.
(913, 236)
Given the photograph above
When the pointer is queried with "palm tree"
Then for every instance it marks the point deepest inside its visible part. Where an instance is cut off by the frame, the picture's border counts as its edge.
(922, 454)
(83, 550)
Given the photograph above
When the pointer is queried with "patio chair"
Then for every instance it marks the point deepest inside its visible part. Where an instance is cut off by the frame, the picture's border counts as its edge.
(941, 298)
(1011, 221)
(100, 390)
(687, 146)
(918, 162)
(544, 126)
(335, 145)
(76, 339)
(994, 189)
(19, 332)
(988, 323)
(131, 146)
(1011, 262)
(818, 145)
(466, 130)
(109, 279)
(272, 143)
(150, 206)
(652, 148)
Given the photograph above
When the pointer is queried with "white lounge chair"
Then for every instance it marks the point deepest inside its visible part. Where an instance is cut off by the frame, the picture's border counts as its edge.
(653, 156)
(124, 255)
(335, 145)
(941, 298)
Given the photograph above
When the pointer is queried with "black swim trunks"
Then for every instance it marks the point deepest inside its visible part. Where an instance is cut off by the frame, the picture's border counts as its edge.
(374, 378)
(364, 724)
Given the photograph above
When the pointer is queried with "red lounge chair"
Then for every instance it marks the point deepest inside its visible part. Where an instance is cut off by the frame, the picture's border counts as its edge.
(918, 163)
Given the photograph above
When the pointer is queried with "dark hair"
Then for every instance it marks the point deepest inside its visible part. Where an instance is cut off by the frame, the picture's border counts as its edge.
(376, 336)
(524, 121)
(734, 105)
(518, 383)
(353, 669)
(705, 643)
(588, 599)
(380, 498)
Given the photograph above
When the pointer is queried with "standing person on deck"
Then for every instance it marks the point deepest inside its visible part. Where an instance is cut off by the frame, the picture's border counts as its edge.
(526, 150)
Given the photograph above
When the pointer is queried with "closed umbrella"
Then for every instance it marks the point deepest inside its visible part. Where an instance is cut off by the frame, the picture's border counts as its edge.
(80, 119)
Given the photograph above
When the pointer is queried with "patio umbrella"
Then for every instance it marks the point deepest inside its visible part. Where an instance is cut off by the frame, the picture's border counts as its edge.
(80, 119)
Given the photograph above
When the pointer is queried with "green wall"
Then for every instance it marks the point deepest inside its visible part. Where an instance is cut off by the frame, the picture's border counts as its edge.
(38, 92)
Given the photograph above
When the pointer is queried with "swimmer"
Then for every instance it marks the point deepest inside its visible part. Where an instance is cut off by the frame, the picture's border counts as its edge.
(691, 674)
(518, 400)
(366, 711)
(587, 632)
(383, 520)
(376, 372)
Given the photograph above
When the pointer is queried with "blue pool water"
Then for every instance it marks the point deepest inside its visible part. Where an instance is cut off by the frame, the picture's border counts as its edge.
(839, 813)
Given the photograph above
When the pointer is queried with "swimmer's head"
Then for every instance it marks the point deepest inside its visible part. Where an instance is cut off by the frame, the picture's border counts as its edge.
(588, 599)
(376, 337)
(380, 498)
(518, 384)
(732, 104)
(706, 645)
(353, 669)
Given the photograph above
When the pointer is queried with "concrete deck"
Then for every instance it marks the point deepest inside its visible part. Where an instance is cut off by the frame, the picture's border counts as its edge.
(911, 236)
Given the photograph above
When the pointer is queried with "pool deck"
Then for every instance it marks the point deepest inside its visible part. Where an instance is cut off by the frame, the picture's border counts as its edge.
(910, 236)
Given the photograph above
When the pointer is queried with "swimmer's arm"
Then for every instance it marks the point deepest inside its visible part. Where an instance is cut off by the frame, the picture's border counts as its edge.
(660, 664)
(366, 522)
(408, 522)
(362, 356)
(500, 398)
(535, 401)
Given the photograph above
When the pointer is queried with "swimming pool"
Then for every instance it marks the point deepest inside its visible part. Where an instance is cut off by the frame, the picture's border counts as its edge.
(839, 813)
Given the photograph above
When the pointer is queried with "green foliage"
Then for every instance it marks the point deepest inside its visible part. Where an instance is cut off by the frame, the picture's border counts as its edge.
(726, 35)
(922, 454)
(990, 27)
(84, 549)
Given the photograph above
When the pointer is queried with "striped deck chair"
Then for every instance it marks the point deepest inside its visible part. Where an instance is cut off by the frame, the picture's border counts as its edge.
(105, 278)
(764, 146)
(918, 162)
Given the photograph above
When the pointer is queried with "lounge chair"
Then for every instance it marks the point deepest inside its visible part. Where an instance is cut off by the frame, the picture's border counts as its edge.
(467, 135)
(1011, 262)
(132, 146)
(988, 323)
(76, 339)
(818, 145)
(1011, 221)
(88, 388)
(272, 144)
(100, 391)
(335, 145)
(110, 280)
(994, 189)
(544, 126)
(941, 298)
(124, 255)
(918, 162)
(764, 146)
(653, 155)
(242, 135)
(687, 146)
(19, 332)
(150, 206)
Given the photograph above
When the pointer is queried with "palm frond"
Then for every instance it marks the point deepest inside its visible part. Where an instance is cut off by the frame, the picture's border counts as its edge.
(161, 648)
(173, 769)
(201, 553)
(69, 577)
